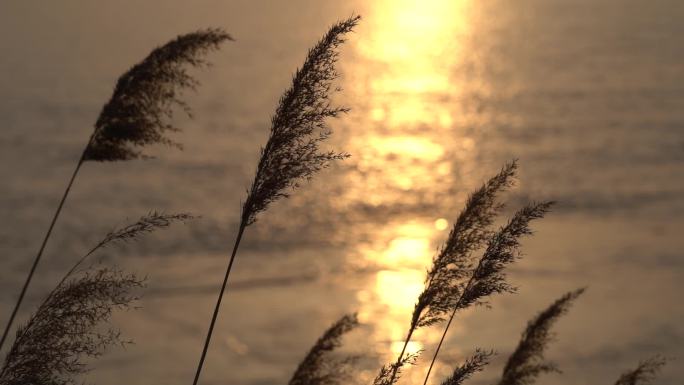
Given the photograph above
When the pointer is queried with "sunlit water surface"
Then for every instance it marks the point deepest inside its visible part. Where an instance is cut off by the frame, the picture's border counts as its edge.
(588, 95)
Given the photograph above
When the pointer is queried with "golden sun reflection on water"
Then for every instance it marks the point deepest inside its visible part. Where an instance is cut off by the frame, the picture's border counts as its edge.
(406, 89)
(416, 45)
(401, 258)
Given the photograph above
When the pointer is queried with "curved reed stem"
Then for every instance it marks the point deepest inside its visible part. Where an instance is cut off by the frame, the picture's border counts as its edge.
(218, 304)
(36, 260)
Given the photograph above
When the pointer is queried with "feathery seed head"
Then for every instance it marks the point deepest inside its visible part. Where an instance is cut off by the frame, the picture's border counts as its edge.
(502, 249)
(52, 346)
(453, 263)
(318, 368)
(527, 361)
(298, 126)
(475, 363)
(389, 374)
(146, 224)
(144, 98)
(644, 373)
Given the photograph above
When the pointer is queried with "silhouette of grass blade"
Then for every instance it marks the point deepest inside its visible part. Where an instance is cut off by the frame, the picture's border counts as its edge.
(143, 101)
(131, 232)
(318, 368)
(146, 224)
(453, 262)
(291, 153)
(644, 373)
(52, 346)
(527, 361)
(299, 126)
(475, 363)
(503, 249)
(489, 276)
(390, 374)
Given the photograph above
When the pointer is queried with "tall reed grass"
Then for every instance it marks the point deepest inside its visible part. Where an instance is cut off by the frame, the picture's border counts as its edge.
(292, 153)
(54, 345)
(67, 328)
(137, 115)
(458, 279)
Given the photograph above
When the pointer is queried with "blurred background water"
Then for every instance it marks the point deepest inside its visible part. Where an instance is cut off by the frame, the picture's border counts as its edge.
(587, 94)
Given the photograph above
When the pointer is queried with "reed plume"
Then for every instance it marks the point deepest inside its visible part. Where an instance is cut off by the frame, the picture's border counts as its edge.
(51, 347)
(489, 277)
(292, 152)
(644, 373)
(527, 361)
(389, 374)
(472, 365)
(453, 261)
(142, 105)
(137, 115)
(318, 368)
(298, 126)
(146, 224)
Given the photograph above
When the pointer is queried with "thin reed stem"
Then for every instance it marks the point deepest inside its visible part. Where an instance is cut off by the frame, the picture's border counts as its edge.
(458, 305)
(36, 260)
(218, 304)
(397, 365)
(439, 346)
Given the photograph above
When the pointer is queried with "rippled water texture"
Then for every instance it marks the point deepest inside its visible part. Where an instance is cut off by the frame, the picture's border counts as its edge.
(588, 95)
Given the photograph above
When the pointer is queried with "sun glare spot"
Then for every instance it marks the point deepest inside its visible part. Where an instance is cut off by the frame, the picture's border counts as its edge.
(399, 289)
(378, 114)
(408, 146)
(441, 224)
(413, 347)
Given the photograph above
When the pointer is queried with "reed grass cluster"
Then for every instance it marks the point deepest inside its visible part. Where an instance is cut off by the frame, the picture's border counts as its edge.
(71, 324)
(458, 280)
(67, 328)
(468, 269)
(137, 115)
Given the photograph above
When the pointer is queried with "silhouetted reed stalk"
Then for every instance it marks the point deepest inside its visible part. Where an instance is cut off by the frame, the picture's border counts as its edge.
(292, 152)
(643, 373)
(317, 368)
(473, 364)
(451, 264)
(489, 277)
(51, 347)
(137, 115)
(527, 362)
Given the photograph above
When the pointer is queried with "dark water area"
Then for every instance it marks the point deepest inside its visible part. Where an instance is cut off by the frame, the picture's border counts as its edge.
(588, 95)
